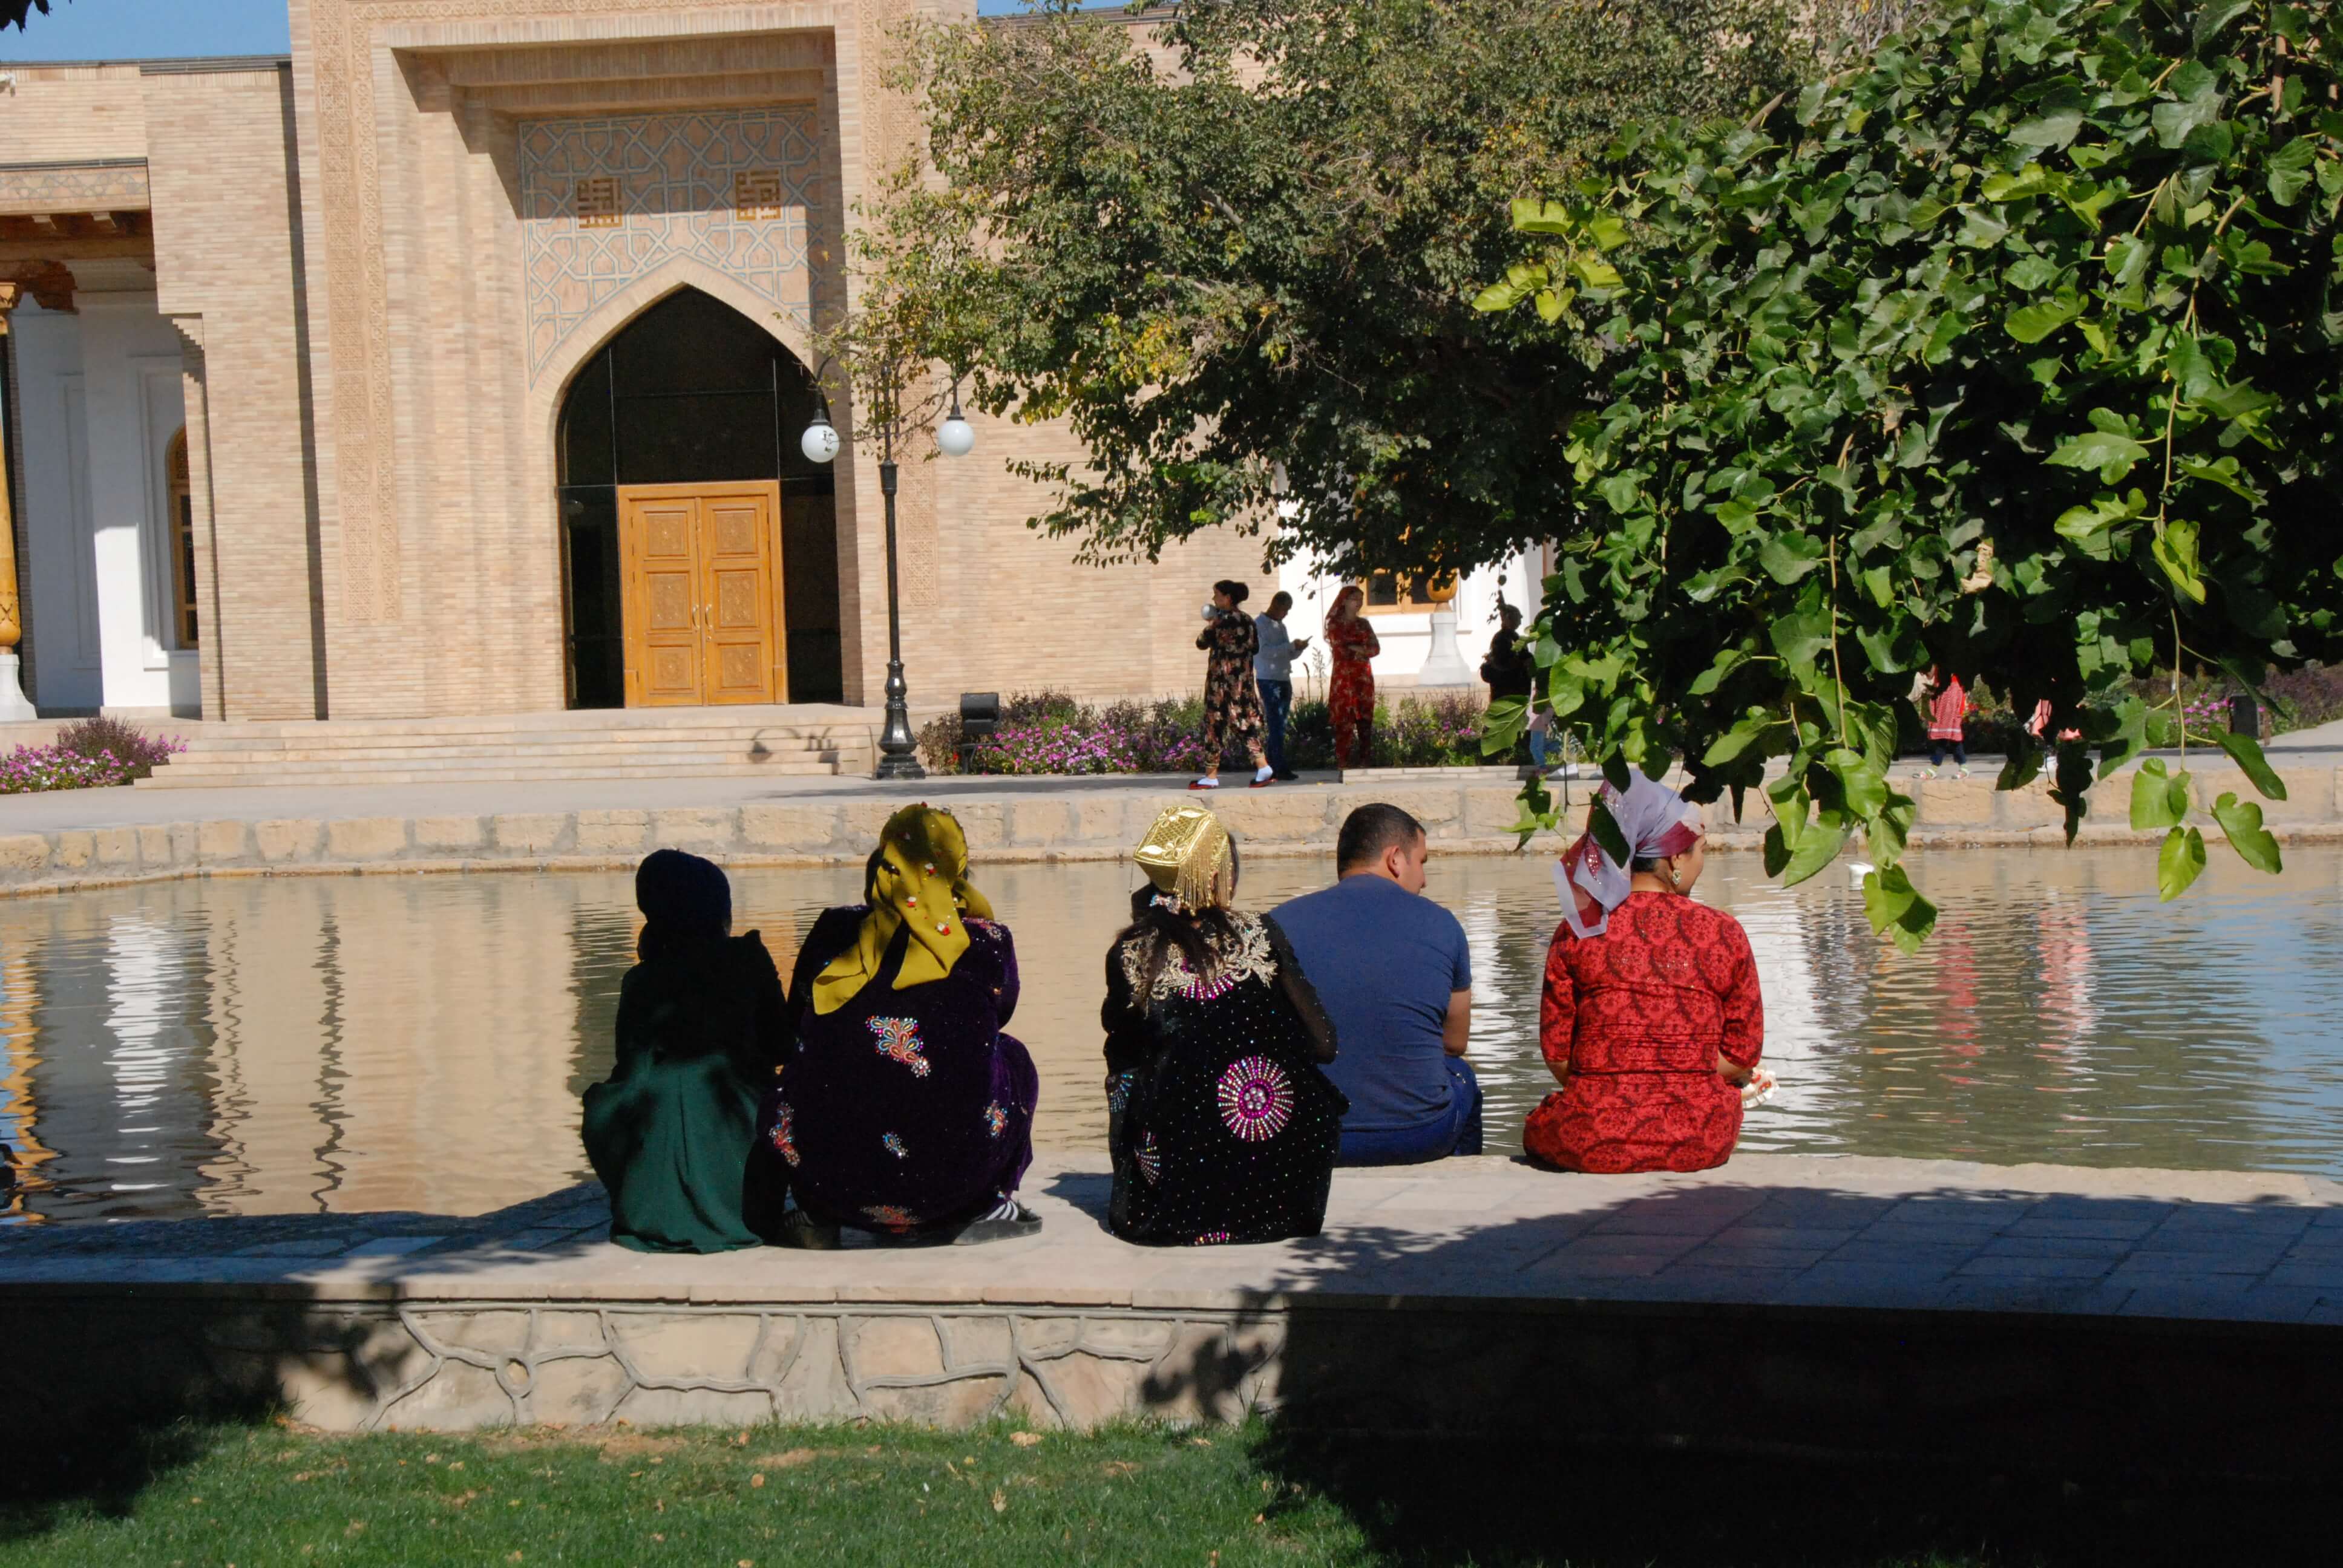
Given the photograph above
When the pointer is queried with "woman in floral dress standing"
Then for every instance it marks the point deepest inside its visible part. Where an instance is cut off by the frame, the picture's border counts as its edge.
(1231, 700)
(1351, 694)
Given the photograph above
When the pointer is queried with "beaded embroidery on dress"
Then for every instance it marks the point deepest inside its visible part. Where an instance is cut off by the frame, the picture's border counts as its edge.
(1244, 955)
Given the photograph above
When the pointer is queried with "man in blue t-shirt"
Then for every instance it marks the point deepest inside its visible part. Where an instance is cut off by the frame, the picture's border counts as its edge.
(1392, 971)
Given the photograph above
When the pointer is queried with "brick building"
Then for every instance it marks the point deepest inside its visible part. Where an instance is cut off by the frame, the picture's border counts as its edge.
(456, 365)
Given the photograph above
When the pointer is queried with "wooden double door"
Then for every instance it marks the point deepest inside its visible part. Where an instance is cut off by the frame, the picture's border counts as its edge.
(700, 597)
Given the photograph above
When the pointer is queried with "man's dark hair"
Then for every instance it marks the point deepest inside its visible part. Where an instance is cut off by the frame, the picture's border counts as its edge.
(1279, 599)
(1371, 830)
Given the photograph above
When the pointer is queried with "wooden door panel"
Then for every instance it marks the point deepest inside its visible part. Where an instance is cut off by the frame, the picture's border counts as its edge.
(703, 574)
(660, 610)
(738, 535)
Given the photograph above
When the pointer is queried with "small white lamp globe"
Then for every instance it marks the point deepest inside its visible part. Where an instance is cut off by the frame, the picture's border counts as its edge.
(819, 442)
(955, 438)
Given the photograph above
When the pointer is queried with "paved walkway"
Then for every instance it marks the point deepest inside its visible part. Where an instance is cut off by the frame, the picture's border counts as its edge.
(1767, 1229)
(130, 807)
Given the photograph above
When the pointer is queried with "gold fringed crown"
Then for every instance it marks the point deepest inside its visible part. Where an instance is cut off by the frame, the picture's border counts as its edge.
(1187, 855)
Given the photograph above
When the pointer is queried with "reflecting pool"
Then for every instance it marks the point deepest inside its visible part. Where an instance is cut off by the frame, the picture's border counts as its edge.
(298, 1044)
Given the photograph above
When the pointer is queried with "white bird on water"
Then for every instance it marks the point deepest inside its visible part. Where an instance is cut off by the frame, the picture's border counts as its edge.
(1857, 871)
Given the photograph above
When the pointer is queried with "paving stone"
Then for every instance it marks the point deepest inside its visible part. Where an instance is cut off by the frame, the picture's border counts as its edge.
(2053, 1247)
(2035, 1268)
(393, 1246)
(2081, 1226)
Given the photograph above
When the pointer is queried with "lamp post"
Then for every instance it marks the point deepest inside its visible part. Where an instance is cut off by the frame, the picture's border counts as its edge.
(898, 751)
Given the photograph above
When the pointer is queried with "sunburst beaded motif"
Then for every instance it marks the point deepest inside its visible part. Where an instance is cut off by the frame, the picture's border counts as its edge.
(1150, 1159)
(996, 1120)
(892, 1216)
(893, 1143)
(1256, 1100)
(785, 1138)
(898, 1041)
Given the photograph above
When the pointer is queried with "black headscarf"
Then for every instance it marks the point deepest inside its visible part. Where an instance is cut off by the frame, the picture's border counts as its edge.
(686, 901)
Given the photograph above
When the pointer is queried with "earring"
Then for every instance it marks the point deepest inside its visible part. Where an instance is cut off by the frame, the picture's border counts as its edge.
(1673, 880)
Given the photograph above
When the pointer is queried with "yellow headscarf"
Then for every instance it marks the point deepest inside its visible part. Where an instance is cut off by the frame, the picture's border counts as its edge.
(1188, 856)
(920, 885)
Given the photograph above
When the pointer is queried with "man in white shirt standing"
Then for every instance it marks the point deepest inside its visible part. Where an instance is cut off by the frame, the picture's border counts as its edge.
(1272, 671)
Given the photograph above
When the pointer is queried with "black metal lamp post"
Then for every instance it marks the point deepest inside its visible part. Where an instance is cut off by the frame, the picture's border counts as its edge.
(898, 751)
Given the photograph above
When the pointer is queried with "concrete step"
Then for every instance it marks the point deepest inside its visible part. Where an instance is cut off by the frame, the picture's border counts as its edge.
(801, 740)
(700, 751)
(304, 777)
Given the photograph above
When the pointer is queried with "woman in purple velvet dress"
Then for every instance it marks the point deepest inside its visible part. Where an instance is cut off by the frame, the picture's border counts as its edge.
(903, 1107)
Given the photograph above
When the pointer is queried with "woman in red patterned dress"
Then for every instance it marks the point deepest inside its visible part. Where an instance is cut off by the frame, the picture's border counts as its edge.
(1652, 1019)
(1351, 693)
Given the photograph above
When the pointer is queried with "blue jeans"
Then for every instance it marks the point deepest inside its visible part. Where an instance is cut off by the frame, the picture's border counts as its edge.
(1276, 704)
(1539, 739)
(1458, 1131)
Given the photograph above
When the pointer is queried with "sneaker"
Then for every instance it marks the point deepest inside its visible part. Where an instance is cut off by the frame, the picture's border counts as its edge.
(1960, 772)
(1205, 784)
(1263, 779)
(1288, 777)
(802, 1231)
(999, 1227)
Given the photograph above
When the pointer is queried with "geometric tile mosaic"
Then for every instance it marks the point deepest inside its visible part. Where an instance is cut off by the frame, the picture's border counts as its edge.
(604, 201)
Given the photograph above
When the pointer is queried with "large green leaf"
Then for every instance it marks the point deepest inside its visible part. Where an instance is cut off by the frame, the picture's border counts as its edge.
(2173, 548)
(2157, 800)
(1816, 849)
(2110, 452)
(2241, 824)
(2033, 323)
(2179, 862)
(2247, 753)
(1895, 909)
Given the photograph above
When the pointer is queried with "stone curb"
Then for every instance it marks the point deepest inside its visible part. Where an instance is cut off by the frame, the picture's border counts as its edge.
(1463, 818)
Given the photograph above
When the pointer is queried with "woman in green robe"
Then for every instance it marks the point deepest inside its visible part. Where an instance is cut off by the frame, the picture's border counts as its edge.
(700, 1031)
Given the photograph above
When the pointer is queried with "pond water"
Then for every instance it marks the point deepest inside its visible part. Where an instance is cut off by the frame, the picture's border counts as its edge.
(303, 1044)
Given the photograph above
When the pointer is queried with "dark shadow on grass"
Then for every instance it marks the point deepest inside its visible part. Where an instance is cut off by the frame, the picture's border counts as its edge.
(1745, 1373)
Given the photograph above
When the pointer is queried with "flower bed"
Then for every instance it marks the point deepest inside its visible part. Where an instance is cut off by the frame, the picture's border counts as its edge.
(1050, 732)
(93, 754)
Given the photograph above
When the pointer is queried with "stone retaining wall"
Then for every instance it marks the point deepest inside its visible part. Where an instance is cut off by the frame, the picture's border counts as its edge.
(2041, 1390)
(1079, 822)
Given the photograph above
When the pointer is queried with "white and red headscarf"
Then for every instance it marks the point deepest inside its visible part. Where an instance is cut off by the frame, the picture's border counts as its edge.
(1656, 821)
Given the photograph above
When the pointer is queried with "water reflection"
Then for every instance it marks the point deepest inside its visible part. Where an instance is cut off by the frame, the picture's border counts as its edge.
(303, 1044)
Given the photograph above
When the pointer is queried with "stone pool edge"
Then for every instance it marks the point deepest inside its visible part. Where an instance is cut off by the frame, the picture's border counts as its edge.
(1463, 818)
(2053, 1315)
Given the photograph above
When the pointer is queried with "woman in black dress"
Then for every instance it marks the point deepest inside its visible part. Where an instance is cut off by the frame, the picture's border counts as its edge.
(1222, 1127)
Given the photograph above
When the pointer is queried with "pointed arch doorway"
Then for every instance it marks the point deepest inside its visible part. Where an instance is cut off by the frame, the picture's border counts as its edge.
(699, 546)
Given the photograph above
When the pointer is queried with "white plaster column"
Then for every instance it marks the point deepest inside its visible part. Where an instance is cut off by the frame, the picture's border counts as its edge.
(132, 402)
(13, 705)
(58, 576)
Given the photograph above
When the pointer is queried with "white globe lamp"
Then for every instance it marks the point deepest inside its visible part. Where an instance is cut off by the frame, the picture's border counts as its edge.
(955, 438)
(819, 443)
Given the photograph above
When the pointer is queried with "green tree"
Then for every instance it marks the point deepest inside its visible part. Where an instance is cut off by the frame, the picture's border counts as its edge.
(1239, 263)
(17, 10)
(2013, 348)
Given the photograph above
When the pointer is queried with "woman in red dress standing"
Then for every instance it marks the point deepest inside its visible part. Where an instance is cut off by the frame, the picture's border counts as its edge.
(1948, 706)
(1652, 1019)
(1351, 693)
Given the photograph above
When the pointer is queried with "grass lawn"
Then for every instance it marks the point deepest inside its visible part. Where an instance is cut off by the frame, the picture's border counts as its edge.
(272, 1495)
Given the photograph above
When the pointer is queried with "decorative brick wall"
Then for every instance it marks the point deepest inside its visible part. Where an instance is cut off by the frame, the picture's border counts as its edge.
(605, 202)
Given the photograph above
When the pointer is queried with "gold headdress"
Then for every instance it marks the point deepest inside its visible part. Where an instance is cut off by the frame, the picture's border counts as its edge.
(1189, 857)
(920, 885)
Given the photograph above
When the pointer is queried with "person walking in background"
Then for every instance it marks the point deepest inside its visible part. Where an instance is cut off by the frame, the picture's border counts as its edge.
(1948, 703)
(1396, 978)
(1511, 672)
(1273, 669)
(1232, 701)
(1221, 1127)
(1351, 693)
(1652, 1019)
(700, 1028)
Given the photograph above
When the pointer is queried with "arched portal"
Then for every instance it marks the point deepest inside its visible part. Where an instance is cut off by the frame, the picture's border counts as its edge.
(677, 443)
